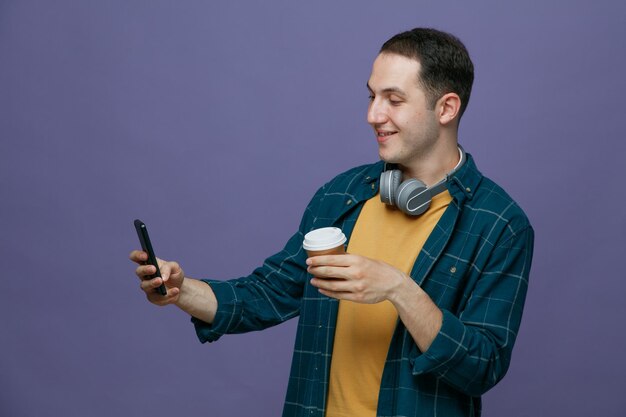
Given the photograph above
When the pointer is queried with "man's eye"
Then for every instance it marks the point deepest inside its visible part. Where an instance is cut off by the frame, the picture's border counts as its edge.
(395, 102)
(370, 97)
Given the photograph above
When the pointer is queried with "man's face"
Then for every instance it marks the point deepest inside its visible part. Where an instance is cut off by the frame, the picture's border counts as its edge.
(406, 129)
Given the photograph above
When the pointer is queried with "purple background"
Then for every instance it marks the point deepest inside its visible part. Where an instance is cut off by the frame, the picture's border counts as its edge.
(215, 122)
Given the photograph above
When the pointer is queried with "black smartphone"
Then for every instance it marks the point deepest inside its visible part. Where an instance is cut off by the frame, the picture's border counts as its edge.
(146, 246)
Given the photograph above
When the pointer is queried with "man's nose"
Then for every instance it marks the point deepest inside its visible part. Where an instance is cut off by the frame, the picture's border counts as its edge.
(376, 113)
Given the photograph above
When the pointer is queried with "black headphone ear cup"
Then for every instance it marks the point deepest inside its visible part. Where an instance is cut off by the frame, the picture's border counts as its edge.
(389, 182)
(413, 197)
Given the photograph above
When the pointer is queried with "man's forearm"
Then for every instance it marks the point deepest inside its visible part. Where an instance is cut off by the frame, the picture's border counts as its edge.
(418, 312)
(197, 299)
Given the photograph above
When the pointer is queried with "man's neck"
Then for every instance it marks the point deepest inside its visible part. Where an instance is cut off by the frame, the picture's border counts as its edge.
(434, 166)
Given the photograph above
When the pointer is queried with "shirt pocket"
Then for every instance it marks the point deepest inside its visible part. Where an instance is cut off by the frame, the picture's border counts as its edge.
(446, 284)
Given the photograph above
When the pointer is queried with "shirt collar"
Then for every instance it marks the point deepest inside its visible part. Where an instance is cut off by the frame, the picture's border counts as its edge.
(463, 184)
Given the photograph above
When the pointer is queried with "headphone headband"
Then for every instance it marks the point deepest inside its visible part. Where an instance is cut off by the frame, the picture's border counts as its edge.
(441, 185)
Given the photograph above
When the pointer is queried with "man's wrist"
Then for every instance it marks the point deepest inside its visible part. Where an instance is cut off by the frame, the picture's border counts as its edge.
(184, 290)
(405, 289)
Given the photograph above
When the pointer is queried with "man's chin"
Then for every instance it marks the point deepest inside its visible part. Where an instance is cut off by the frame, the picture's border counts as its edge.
(386, 157)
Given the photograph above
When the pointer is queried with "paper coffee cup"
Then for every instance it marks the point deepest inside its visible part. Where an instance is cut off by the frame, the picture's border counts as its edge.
(324, 241)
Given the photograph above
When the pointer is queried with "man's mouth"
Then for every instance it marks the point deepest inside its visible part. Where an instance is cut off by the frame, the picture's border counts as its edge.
(383, 135)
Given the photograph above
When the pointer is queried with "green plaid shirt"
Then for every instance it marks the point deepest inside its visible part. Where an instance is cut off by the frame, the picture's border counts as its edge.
(474, 266)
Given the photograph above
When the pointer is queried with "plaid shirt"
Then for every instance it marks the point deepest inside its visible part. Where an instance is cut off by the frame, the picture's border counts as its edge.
(474, 266)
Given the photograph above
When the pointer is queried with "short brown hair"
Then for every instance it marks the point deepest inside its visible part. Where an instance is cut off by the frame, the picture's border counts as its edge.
(445, 64)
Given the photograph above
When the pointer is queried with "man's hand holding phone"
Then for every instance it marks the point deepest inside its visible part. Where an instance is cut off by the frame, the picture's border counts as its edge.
(172, 276)
(162, 281)
(157, 276)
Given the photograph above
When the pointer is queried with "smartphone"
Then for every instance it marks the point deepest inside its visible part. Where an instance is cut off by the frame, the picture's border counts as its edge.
(146, 246)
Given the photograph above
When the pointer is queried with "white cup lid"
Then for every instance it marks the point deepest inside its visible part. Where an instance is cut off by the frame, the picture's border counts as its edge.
(324, 238)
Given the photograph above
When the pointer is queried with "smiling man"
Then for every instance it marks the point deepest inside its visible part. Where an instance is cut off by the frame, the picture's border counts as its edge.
(420, 316)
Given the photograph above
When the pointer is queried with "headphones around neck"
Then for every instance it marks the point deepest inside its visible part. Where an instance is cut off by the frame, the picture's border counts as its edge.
(412, 196)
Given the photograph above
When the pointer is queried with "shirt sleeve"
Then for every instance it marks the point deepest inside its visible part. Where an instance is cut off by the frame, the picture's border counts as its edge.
(472, 352)
(269, 296)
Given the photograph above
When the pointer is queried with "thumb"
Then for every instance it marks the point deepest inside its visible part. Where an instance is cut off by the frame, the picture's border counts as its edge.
(166, 270)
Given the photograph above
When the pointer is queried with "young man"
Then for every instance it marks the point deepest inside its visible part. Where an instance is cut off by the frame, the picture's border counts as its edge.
(420, 317)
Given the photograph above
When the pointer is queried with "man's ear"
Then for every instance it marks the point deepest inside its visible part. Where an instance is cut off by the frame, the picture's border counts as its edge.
(448, 108)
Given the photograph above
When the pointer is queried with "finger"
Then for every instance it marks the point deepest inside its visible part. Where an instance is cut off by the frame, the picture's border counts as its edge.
(334, 285)
(161, 300)
(144, 271)
(174, 268)
(336, 294)
(138, 256)
(166, 270)
(170, 268)
(149, 285)
(341, 272)
(347, 296)
(334, 260)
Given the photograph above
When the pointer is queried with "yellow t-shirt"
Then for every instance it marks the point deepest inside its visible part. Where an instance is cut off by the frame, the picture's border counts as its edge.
(364, 331)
